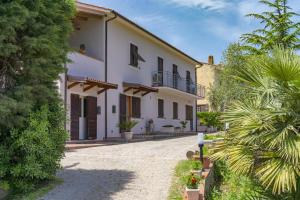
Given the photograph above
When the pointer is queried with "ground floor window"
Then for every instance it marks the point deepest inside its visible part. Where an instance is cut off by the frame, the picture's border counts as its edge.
(175, 110)
(202, 108)
(160, 108)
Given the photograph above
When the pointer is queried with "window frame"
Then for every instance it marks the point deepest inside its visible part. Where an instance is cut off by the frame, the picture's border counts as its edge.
(160, 112)
(175, 114)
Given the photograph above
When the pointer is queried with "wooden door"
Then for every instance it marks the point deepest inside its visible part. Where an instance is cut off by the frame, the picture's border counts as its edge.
(122, 111)
(91, 116)
(189, 115)
(75, 114)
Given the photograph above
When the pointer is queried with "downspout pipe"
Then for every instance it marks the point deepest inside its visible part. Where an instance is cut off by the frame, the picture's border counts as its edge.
(106, 69)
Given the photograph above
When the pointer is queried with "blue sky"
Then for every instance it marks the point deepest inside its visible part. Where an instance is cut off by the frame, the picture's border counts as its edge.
(198, 27)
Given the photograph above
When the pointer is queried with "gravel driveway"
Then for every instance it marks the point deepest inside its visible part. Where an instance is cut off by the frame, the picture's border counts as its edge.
(133, 171)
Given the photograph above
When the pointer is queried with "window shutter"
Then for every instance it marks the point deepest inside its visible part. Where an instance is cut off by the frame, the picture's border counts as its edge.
(160, 63)
(134, 55)
(136, 107)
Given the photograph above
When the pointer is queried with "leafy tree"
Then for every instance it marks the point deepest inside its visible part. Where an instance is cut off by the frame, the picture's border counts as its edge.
(263, 141)
(225, 88)
(279, 29)
(33, 49)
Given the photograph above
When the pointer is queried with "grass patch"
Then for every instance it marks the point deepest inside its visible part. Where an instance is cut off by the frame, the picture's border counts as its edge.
(182, 170)
(40, 191)
(212, 137)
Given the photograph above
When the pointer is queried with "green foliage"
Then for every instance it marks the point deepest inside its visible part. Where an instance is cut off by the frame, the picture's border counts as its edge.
(279, 29)
(264, 140)
(33, 50)
(127, 125)
(213, 136)
(182, 171)
(226, 88)
(183, 124)
(233, 186)
(210, 119)
(196, 165)
(34, 153)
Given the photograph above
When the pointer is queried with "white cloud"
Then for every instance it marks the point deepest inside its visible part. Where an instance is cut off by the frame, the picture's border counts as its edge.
(206, 4)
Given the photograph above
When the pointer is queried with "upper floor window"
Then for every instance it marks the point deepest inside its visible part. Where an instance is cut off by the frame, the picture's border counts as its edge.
(134, 55)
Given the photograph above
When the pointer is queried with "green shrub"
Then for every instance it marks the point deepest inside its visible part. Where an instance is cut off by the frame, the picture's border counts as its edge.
(210, 119)
(33, 155)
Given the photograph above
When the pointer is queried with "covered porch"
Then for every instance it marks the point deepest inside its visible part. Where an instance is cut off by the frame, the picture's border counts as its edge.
(85, 104)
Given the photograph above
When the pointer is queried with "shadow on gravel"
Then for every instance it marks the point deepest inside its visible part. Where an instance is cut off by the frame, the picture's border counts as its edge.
(82, 184)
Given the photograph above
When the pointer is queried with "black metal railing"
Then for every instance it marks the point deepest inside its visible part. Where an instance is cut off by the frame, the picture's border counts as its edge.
(169, 79)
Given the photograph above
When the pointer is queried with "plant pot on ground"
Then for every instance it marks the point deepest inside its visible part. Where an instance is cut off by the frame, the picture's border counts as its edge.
(126, 127)
(192, 190)
(197, 168)
(183, 125)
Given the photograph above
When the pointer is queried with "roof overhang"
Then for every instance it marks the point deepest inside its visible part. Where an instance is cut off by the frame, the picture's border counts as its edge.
(90, 83)
(138, 88)
(96, 10)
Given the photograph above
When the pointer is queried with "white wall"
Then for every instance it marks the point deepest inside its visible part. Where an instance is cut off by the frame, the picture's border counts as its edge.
(82, 65)
(119, 71)
(91, 34)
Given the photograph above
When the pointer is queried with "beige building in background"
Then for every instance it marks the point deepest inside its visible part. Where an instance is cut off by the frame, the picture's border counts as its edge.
(206, 76)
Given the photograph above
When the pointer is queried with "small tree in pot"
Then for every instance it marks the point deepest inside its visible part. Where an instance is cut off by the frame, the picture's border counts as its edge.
(126, 127)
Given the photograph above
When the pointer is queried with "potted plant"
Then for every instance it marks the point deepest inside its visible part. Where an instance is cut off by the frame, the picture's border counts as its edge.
(192, 187)
(183, 125)
(196, 167)
(126, 126)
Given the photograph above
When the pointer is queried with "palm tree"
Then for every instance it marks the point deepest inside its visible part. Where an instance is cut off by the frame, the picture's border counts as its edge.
(264, 137)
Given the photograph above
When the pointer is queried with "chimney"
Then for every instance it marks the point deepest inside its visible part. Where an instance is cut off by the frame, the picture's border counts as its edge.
(211, 60)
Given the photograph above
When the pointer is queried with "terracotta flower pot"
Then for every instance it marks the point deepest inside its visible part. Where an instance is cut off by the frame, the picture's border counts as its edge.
(192, 194)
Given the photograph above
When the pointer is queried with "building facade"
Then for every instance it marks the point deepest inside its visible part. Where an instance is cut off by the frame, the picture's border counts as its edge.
(123, 72)
(207, 75)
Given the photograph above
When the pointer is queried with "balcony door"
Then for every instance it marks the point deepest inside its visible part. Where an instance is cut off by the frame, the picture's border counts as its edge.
(160, 70)
(175, 76)
(188, 81)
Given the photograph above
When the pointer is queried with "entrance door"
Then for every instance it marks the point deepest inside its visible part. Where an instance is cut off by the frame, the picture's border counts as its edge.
(91, 116)
(123, 109)
(189, 115)
(75, 114)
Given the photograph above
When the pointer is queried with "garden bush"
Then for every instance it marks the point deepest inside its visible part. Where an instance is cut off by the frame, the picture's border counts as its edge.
(210, 119)
(32, 155)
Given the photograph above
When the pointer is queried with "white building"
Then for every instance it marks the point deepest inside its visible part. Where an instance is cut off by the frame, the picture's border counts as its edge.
(126, 72)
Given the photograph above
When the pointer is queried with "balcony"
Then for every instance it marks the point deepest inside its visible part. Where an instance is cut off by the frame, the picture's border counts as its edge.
(168, 79)
(85, 66)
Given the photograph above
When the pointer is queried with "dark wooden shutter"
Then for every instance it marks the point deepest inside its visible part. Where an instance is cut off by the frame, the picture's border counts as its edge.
(122, 111)
(136, 107)
(75, 114)
(160, 108)
(134, 55)
(175, 110)
(92, 117)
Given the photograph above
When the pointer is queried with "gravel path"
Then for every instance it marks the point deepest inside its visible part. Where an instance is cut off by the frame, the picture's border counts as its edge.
(134, 171)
